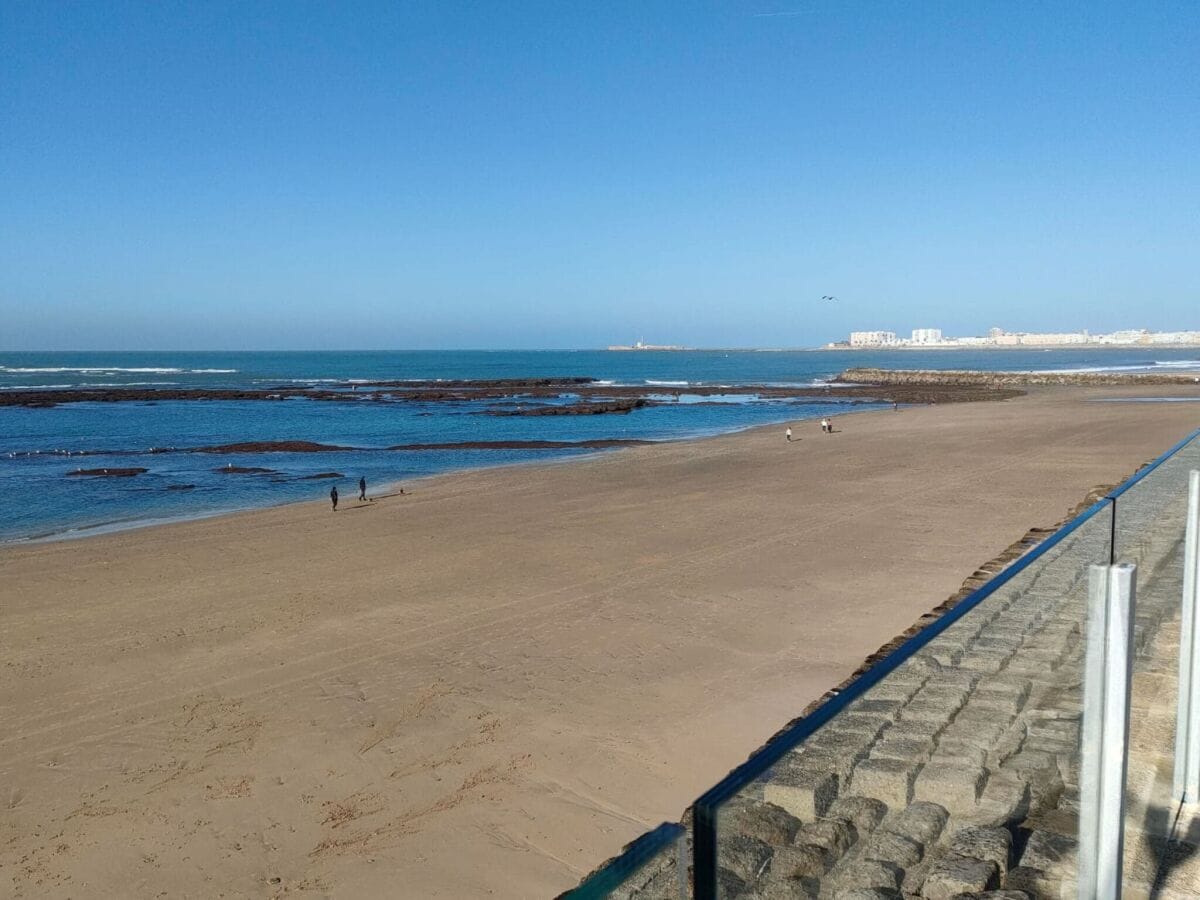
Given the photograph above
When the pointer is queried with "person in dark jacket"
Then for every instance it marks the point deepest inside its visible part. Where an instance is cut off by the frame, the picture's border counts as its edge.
(333, 497)
(362, 489)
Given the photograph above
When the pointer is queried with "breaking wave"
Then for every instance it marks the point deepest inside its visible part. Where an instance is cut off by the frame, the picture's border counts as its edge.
(111, 370)
(1185, 364)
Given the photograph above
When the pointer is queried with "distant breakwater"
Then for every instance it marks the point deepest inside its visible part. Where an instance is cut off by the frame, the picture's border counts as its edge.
(908, 378)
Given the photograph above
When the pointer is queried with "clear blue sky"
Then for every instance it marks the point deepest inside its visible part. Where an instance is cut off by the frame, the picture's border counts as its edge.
(509, 175)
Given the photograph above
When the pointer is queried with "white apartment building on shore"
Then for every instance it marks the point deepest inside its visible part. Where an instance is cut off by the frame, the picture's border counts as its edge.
(1021, 339)
(998, 337)
(872, 338)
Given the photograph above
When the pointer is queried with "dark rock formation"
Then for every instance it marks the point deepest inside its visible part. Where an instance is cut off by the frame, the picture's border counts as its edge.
(879, 389)
(108, 473)
(507, 384)
(619, 407)
(320, 475)
(274, 447)
(244, 470)
(45, 398)
(313, 447)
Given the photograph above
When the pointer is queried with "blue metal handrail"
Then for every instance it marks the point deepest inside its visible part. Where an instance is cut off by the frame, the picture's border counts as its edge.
(1133, 480)
(1142, 473)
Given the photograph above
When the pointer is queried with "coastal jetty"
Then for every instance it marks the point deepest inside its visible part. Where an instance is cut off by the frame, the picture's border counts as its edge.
(893, 378)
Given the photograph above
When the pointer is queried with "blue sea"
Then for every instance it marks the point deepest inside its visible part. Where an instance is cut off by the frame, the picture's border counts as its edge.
(42, 500)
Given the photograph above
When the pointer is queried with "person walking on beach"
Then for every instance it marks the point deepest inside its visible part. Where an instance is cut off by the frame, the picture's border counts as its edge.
(825, 426)
(362, 489)
(333, 497)
(788, 434)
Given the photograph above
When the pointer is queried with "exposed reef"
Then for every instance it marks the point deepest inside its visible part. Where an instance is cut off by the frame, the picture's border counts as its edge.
(506, 384)
(618, 407)
(313, 447)
(42, 399)
(271, 447)
(108, 473)
(866, 385)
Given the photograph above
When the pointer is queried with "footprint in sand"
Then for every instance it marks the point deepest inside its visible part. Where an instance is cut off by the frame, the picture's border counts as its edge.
(230, 788)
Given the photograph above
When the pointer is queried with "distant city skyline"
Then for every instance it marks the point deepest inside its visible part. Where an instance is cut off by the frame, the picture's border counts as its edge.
(997, 337)
(440, 175)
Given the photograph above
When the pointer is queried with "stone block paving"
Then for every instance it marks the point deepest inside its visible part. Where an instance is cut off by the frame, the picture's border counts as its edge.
(957, 776)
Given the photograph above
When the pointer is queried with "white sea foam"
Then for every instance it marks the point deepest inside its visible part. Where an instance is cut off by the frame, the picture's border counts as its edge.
(1187, 364)
(82, 531)
(118, 384)
(668, 383)
(1085, 370)
(111, 370)
(311, 380)
(85, 384)
(89, 370)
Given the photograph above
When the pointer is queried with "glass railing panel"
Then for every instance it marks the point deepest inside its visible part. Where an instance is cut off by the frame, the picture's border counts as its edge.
(1150, 527)
(653, 867)
(1151, 510)
(1047, 758)
(955, 773)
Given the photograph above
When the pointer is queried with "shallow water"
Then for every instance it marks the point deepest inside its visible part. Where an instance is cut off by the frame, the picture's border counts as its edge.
(43, 499)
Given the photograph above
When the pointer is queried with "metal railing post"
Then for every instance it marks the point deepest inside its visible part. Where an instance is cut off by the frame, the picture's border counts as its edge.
(1187, 722)
(682, 862)
(1109, 668)
(704, 851)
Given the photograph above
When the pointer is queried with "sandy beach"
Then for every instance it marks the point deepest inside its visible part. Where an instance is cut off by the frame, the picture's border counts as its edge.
(486, 687)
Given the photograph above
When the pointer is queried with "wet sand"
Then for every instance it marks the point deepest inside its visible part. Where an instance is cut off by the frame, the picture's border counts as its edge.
(486, 687)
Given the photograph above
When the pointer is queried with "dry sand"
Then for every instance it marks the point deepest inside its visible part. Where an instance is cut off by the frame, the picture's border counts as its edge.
(487, 687)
